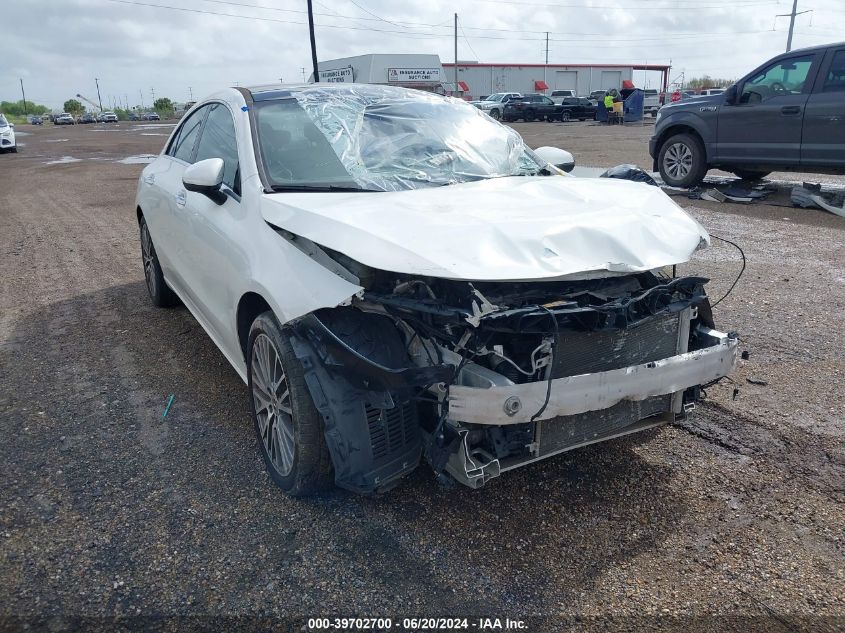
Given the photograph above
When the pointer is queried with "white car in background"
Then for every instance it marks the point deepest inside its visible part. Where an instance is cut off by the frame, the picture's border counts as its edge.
(494, 105)
(7, 136)
(398, 277)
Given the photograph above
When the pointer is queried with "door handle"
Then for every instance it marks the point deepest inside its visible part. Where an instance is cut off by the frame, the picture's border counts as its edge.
(790, 110)
(181, 198)
(150, 179)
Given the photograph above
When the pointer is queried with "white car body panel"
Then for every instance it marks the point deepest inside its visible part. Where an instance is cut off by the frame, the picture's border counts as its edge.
(516, 228)
(207, 251)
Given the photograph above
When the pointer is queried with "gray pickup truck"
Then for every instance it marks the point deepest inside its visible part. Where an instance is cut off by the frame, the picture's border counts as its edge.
(787, 115)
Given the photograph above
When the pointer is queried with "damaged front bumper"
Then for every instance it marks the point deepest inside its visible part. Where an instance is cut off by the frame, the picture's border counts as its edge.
(582, 409)
(518, 404)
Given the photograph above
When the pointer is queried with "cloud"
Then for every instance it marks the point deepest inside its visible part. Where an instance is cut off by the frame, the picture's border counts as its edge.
(58, 48)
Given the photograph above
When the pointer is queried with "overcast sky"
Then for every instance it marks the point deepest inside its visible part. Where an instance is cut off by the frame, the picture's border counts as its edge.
(58, 47)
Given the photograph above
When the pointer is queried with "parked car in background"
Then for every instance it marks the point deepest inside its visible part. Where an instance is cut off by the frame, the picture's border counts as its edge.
(7, 136)
(150, 116)
(709, 92)
(531, 107)
(530, 314)
(87, 118)
(787, 115)
(65, 118)
(107, 117)
(133, 117)
(579, 108)
(36, 120)
(651, 101)
(559, 95)
(494, 104)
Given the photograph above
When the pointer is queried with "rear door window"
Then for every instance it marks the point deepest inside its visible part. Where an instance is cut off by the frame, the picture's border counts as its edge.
(835, 79)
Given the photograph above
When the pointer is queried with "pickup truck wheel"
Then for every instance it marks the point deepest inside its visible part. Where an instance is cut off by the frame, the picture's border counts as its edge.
(287, 424)
(160, 293)
(565, 116)
(495, 114)
(747, 174)
(681, 161)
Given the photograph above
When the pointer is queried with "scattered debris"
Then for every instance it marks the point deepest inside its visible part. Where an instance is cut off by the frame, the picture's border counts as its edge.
(630, 172)
(810, 196)
(714, 195)
(745, 354)
(167, 408)
(756, 381)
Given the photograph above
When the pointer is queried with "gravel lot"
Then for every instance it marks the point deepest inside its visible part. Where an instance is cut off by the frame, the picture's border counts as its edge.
(111, 514)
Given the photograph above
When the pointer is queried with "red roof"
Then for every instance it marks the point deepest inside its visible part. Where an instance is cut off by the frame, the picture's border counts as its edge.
(634, 66)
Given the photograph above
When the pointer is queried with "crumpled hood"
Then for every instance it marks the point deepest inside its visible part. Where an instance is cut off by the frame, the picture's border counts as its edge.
(502, 229)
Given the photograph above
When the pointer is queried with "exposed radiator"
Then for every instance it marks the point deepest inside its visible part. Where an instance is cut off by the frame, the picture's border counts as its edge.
(589, 352)
(573, 430)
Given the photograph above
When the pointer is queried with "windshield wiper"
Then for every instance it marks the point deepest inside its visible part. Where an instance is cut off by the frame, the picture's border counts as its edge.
(321, 188)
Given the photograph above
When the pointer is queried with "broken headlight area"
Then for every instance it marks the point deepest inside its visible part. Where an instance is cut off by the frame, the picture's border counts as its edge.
(482, 377)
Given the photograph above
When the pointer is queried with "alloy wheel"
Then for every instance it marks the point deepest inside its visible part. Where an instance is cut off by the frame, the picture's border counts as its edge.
(148, 256)
(271, 397)
(677, 160)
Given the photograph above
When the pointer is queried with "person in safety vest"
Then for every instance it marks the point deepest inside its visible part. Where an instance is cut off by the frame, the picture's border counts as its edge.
(608, 101)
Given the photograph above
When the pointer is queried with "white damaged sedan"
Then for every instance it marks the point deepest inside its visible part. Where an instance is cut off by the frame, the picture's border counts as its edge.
(398, 277)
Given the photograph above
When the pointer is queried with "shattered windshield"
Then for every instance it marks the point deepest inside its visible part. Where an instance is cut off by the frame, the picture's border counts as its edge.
(384, 138)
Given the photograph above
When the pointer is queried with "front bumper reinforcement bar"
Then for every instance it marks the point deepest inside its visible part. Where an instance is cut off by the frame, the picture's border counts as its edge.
(516, 404)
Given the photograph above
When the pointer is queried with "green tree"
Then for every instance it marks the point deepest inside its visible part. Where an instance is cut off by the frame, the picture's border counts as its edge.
(706, 81)
(163, 106)
(73, 106)
(16, 108)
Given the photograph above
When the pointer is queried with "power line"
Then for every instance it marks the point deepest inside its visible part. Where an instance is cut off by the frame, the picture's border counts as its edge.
(466, 39)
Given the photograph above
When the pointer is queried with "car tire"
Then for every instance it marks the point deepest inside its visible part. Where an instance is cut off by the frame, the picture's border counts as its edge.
(495, 114)
(288, 427)
(160, 293)
(529, 116)
(748, 174)
(681, 161)
(565, 116)
(14, 149)
(582, 120)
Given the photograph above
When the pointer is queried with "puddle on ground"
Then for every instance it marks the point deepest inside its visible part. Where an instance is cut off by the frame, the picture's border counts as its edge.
(63, 160)
(149, 126)
(56, 140)
(140, 159)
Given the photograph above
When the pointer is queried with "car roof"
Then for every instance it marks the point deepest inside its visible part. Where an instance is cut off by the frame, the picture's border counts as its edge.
(820, 47)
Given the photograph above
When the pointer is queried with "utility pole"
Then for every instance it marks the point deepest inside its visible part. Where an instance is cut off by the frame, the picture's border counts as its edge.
(153, 92)
(23, 94)
(141, 92)
(795, 12)
(546, 67)
(190, 93)
(454, 92)
(281, 80)
(99, 98)
(313, 43)
(303, 74)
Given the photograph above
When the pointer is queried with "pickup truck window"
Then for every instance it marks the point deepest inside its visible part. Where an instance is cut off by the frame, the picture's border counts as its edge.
(835, 80)
(785, 77)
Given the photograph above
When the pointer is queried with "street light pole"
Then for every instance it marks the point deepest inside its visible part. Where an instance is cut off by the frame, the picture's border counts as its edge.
(99, 98)
(25, 113)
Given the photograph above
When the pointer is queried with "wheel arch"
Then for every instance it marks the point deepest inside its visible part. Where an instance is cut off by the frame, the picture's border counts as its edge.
(679, 128)
(139, 213)
(250, 305)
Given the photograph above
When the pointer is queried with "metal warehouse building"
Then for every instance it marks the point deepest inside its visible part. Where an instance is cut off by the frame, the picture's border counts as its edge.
(477, 79)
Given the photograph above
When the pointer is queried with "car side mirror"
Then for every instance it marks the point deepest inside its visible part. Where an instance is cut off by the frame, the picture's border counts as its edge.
(206, 177)
(731, 94)
(560, 158)
(11, 125)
